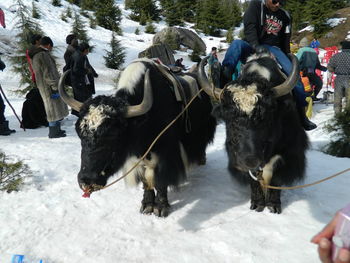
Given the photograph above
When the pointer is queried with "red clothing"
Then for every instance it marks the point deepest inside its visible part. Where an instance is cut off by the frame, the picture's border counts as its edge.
(2, 18)
(30, 66)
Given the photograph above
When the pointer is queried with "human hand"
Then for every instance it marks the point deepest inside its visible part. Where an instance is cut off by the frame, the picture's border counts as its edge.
(55, 96)
(323, 240)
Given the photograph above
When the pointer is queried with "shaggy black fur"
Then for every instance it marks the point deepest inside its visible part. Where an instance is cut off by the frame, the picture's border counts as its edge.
(272, 129)
(117, 138)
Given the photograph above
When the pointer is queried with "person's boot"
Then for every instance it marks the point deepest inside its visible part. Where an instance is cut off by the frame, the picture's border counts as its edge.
(61, 131)
(305, 122)
(5, 130)
(55, 132)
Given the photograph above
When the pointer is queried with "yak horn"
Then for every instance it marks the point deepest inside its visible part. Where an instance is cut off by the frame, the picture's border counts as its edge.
(204, 82)
(290, 82)
(146, 104)
(74, 104)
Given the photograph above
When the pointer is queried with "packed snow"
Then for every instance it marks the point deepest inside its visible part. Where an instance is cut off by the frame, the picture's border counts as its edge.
(210, 219)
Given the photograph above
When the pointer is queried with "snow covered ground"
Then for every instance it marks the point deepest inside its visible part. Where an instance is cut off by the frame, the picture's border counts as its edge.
(210, 219)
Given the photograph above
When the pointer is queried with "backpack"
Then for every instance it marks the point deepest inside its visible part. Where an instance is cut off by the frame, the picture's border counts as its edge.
(33, 111)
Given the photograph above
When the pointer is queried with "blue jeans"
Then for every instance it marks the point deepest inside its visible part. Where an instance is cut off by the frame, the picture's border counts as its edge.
(240, 50)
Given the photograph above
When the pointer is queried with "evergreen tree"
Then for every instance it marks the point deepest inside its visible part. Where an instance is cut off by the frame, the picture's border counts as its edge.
(27, 28)
(78, 29)
(144, 9)
(137, 31)
(69, 12)
(229, 14)
(115, 58)
(195, 54)
(63, 17)
(92, 22)
(150, 29)
(340, 124)
(296, 10)
(35, 11)
(108, 15)
(56, 3)
(89, 4)
(317, 13)
(12, 174)
(75, 2)
(229, 36)
(169, 39)
(173, 15)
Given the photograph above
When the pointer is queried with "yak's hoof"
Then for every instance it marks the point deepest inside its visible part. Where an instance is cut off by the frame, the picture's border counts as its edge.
(257, 207)
(146, 209)
(161, 212)
(276, 209)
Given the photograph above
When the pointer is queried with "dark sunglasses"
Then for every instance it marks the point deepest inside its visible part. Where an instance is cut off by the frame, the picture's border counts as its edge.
(275, 2)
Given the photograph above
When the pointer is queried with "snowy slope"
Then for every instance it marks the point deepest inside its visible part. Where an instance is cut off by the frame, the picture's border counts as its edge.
(210, 219)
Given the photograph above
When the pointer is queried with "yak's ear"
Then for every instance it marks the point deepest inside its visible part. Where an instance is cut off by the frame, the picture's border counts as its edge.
(218, 112)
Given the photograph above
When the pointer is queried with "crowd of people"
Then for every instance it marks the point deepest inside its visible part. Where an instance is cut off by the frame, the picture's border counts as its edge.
(43, 105)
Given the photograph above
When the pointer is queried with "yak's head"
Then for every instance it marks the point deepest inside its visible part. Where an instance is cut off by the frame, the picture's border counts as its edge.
(103, 128)
(249, 109)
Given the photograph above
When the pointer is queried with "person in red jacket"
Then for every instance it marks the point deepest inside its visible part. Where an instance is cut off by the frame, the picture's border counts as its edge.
(2, 18)
(35, 41)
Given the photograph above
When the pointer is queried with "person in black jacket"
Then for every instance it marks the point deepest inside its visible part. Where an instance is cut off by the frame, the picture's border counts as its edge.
(4, 124)
(267, 28)
(82, 74)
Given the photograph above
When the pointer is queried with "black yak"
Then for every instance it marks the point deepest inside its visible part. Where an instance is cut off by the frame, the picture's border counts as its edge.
(115, 131)
(263, 132)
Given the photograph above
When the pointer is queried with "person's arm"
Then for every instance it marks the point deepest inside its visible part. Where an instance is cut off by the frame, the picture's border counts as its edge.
(287, 34)
(319, 66)
(251, 21)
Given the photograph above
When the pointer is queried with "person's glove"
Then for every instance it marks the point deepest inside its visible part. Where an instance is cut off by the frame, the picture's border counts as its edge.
(55, 96)
(261, 50)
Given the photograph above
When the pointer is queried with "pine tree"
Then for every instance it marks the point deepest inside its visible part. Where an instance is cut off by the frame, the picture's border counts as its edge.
(173, 14)
(137, 31)
(56, 3)
(63, 17)
(229, 36)
(195, 54)
(92, 22)
(27, 28)
(78, 29)
(115, 58)
(69, 12)
(12, 174)
(297, 12)
(142, 9)
(169, 39)
(89, 4)
(317, 13)
(340, 124)
(35, 11)
(150, 29)
(108, 15)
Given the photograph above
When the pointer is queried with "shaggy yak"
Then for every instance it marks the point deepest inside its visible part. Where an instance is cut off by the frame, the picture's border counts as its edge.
(115, 132)
(264, 135)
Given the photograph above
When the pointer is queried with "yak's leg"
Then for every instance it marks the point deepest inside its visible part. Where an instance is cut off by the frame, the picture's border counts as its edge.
(273, 201)
(161, 205)
(147, 202)
(257, 200)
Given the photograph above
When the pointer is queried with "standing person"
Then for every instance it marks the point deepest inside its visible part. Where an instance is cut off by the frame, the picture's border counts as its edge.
(72, 43)
(315, 44)
(35, 41)
(214, 67)
(340, 65)
(4, 124)
(309, 62)
(267, 27)
(82, 75)
(47, 78)
(2, 18)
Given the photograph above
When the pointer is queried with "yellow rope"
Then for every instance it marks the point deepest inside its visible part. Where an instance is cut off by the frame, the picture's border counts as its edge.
(155, 140)
(302, 186)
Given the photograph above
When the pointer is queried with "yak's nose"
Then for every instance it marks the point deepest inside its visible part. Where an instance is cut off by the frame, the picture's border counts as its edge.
(251, 162)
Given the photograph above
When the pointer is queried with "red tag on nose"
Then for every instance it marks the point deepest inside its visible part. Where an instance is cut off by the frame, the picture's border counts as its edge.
(86, 195)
